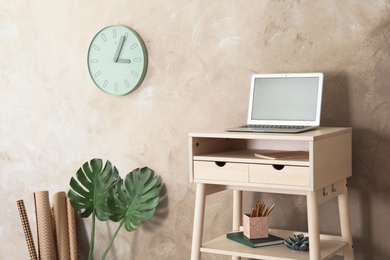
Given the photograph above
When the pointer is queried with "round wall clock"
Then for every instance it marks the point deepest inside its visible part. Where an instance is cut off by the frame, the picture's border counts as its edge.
(117, 60)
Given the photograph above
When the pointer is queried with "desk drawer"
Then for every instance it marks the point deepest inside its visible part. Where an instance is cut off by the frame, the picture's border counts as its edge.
(221, 171)
(279, 174)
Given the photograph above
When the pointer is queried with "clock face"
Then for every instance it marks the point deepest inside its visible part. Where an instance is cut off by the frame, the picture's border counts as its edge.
(117, 60)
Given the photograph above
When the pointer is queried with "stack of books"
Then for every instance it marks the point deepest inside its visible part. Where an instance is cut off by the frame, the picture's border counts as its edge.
(257, 242)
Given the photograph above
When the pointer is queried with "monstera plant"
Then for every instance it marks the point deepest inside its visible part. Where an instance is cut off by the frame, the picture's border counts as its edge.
(98, 190)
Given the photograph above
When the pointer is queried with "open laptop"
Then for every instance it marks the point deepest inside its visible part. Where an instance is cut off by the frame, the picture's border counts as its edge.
(288, 103)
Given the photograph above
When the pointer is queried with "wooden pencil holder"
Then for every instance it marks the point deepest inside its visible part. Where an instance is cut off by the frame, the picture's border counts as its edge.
(255, 227)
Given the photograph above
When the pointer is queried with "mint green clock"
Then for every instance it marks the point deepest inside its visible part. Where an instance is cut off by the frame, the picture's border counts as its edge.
(117, 60)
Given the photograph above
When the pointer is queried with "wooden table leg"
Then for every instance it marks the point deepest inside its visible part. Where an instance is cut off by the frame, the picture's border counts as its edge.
(313, 225)
(197, 232)
(345, 225)
(237, 213)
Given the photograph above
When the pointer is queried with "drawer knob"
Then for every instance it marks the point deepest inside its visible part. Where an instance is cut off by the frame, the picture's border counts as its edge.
(220, 164)
(278, 167)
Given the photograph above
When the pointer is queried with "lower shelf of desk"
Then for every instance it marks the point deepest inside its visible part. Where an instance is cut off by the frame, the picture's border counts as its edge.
(224, 246)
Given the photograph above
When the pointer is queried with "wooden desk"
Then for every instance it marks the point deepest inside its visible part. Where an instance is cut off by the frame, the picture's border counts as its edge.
(226, 160)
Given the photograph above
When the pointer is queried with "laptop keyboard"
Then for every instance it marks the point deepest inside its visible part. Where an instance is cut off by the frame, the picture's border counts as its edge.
(275, 126)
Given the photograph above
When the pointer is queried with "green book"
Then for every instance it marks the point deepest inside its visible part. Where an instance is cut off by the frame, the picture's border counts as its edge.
(257, 242)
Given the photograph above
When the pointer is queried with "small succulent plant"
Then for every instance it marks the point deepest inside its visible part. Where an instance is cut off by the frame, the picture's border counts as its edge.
(297, 243)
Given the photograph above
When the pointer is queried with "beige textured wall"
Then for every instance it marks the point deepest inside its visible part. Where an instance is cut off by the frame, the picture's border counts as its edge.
(201, 56)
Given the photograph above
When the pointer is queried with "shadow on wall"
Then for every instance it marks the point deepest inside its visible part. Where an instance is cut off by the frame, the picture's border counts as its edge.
(369, 184)
(335, 100)
(369, 191)
(82, 239)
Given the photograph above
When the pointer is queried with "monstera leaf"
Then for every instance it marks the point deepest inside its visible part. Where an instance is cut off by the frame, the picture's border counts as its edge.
(99, 191)
(135, 199)
(89, 192)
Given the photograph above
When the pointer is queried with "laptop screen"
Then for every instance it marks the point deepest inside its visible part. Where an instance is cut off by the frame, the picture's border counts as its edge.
(290, 99)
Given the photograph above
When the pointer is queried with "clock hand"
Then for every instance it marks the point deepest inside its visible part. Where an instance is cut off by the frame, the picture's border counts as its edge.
(118, 52)
(124, 60)
(119, 48)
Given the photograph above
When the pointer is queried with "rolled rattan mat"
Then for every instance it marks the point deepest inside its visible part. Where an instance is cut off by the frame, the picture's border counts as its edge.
(46, 242)
(27, 230)
(72, 231)
(61, 225)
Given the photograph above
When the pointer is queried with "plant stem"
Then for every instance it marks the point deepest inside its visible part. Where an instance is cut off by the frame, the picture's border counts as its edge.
(112, 239)
(90, 256)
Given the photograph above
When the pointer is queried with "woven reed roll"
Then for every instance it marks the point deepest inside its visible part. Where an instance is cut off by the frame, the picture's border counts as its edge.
(72, 231)
(61, 225)
(46, 241)
(27, 230)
